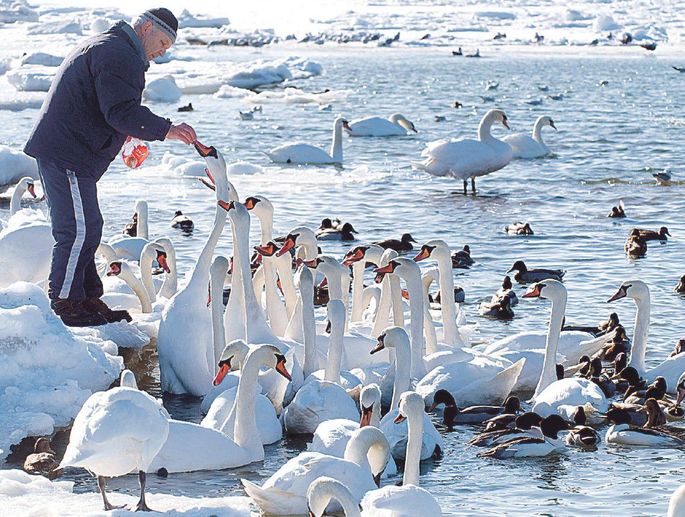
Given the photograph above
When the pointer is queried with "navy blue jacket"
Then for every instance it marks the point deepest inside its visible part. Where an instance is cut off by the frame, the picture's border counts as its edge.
(93, 104)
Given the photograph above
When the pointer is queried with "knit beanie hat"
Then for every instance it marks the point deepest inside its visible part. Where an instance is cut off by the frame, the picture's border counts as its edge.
(164, 19)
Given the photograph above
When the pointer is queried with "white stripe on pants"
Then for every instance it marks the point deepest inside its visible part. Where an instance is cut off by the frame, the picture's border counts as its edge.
(80, 235)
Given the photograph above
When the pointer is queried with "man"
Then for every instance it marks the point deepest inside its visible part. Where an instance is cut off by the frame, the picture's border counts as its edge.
(93, 104)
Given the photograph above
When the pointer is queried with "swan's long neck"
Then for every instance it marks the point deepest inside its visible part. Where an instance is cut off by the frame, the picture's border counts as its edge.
(418, 367)
(537, 131)
(429, 328)
(218, 274)
(170, 285)
(142, 230)
(357, 290)
(245, 432)
(339, 493)
(146, 275)
(484, 129)
(278, 317)
(15, 202)
(413, 454)
(200, 275)
(336, 146)
(640, 334)
(548, 375)
(396, 301)
(402, 381)
(335, 352)
(285, 274)
(383, 312)
(138, 288)
(376, 414)
(308, 323)
(447, 303)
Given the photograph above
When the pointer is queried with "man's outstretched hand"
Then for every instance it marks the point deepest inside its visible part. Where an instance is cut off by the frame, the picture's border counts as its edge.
(182, 132)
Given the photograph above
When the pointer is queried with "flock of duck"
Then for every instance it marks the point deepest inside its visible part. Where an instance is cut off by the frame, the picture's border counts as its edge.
(358, 382)
(463, 159)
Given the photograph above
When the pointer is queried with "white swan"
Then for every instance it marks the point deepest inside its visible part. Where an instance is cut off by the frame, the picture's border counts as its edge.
(469, 158)
(676, 505)
(432, 443)
(309, 154)
(275, 307)
(186, 318)
(285, 492)
(559, 396)
(117, 431)
(670, 368)
(26, 184)
(408, 500)
(130, 248)
(222, 413)
(525, 146)
(395, 125)
(325, 489)
(25, 252)
(317, 401)
(357, 258)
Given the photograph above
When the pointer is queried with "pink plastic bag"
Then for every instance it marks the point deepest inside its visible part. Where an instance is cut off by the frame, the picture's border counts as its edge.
(134, 152)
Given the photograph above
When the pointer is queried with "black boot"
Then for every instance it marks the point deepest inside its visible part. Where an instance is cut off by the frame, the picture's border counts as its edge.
(75, 314)
(96, 305)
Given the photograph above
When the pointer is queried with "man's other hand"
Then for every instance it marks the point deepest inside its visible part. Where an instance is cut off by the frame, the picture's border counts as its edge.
(182, 132)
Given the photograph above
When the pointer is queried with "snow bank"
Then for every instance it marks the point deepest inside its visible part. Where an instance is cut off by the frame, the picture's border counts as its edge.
(273, 72)
(31, 78)
(163, 89)
(604, 22)
(41, 58)
(47, 372)
(18, 101)
(186, 20)
(23, 494)
(17, 11)
(57, 27)
(5, 64)
(14, 165)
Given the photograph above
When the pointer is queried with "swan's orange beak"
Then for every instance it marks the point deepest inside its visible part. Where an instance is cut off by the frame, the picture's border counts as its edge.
(267, 250)
(280, 367)
(203, 150)
(366, 416)
(114, 269)
(621, 293)
(534, 292)
(382, 271)
(161, 259)
(226, 206)
(423, 254)
(287, 246)
(251, 202)
(224, 368)
(399, 418)
(353, 256)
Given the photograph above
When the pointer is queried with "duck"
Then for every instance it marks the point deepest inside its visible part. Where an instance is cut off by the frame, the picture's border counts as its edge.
(635, 245)
(461, 259)
(469, 158)
(346, 232)
(131, 228)
(519, 228)
(656, 390)
(605, 384)
(679, 348)
(458, 52)
(602, 328)
(472, 414)
(618, 211)
(621, 432)
(395, 125)
(285, 492)
(653, 235)
(186, 318)
(301, 153)
(474, 54)
(527, 447)
(680, 286)
(409, 499)
(525, 276)
(186, 108)
(499, 309)
(580, 434)
(528, 147)
(42, 461)
(115, 432)
(663, 178)
(507, 290)
(401, 245)
(672, 367)
(524, 425)
(181, 221)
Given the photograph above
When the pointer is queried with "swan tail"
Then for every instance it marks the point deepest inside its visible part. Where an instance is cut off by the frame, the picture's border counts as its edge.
(419, 166)
(270, 501)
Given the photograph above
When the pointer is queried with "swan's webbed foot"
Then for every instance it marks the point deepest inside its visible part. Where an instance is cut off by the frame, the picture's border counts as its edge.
(141, 505)
(473, 186)
(108, 506)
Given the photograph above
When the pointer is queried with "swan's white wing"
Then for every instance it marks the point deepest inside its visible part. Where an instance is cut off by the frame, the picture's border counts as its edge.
(524, 146)
(569, 392)
(25, 253)
(317, 402)
(331, 437)
(400, 501)
(299, 153)
(375, 126)
(461, 159)
(671, 370)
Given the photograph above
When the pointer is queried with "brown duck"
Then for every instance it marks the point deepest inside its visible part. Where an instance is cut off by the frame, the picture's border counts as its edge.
(636, 245)
(42, 461)
(519, 228)
(462, 259)
(404, 244)
(617, 211)
(652, 235)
